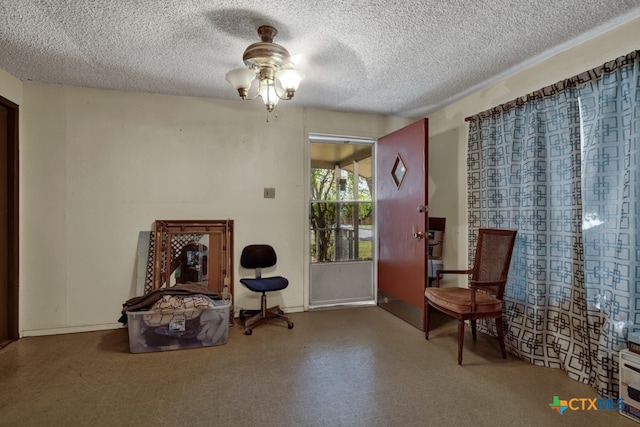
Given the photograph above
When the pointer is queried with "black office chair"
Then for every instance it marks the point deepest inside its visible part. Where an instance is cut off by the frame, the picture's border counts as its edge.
(258, 257)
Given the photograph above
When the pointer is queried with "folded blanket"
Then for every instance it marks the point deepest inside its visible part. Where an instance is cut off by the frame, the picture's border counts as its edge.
(145, 302)
(186, 306)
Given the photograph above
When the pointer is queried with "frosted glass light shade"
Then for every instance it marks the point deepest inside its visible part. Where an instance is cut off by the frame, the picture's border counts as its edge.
(241, 78)
(268, 93)
(290, 79)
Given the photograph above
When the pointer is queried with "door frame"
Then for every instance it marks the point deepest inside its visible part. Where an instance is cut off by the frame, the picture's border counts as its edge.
(319, 136)
(12, 183)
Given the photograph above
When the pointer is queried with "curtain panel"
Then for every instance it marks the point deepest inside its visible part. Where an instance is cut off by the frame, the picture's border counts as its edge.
(562, 166)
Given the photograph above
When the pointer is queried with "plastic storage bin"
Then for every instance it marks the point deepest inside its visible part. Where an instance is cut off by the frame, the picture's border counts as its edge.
(151, 331)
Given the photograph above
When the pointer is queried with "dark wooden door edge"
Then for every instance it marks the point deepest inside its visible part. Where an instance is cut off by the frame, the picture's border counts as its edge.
(13, 215)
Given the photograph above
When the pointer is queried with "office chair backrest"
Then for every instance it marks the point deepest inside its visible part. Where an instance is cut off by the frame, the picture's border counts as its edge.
(258, 256)
(493, 257)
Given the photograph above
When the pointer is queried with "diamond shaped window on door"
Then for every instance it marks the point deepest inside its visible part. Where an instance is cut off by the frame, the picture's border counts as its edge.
(399, 171)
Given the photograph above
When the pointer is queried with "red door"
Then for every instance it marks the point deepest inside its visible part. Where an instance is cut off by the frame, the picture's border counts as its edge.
(401, 172)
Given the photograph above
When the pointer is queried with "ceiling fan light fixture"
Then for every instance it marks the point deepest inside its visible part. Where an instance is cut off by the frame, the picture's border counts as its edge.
(290, 80)
(241, 79)
(270, 95)
(271, 64)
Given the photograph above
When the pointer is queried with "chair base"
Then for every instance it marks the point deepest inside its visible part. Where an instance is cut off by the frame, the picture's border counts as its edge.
(253, 317)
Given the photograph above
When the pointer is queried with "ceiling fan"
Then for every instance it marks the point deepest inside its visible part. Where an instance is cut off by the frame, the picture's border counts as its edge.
(271, 64)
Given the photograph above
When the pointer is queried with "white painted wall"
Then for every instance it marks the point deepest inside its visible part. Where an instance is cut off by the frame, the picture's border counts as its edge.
(10, 87)
(100, 166)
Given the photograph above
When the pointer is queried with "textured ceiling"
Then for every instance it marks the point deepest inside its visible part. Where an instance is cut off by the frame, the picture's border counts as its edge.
(405, 58)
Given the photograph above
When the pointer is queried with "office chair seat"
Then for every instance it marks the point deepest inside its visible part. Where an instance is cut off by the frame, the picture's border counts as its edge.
(266, 284)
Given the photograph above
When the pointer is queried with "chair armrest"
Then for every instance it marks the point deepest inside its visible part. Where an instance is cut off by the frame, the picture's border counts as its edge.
(453, 272)
(439, 274)
(480, 283)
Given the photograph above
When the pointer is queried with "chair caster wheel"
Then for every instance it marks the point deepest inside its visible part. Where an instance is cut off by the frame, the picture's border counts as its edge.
(242, 315)
(280, 312)
(290, 325)
(248, 331)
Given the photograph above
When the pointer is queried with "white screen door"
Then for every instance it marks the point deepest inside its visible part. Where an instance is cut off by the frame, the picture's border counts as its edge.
(341, 221)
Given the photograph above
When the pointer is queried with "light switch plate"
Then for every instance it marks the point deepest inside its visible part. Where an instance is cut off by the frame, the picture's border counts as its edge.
(269, 193)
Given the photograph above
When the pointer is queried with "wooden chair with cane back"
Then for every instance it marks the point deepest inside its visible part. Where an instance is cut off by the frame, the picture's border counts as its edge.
(483, 297)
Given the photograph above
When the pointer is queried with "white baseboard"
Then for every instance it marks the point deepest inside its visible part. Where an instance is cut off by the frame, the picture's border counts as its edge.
(69, 330)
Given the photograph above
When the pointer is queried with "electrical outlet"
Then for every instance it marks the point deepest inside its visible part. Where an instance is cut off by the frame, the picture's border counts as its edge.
(269, 193)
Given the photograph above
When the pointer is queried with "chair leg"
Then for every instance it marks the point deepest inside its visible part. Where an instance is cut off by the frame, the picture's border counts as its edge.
(460, 340)
(501, 336)
(426, 320)
(473, 330)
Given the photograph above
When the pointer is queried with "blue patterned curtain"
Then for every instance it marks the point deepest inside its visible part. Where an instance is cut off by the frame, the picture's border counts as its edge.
(562, 166)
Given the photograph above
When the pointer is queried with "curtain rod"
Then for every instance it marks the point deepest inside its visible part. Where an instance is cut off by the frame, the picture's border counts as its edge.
(560, 86)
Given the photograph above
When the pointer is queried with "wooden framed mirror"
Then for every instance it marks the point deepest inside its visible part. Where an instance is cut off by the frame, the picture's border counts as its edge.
(190, 251)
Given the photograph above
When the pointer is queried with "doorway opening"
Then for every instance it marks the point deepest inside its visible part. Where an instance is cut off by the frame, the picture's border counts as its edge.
(341, 221)
(8, 222)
